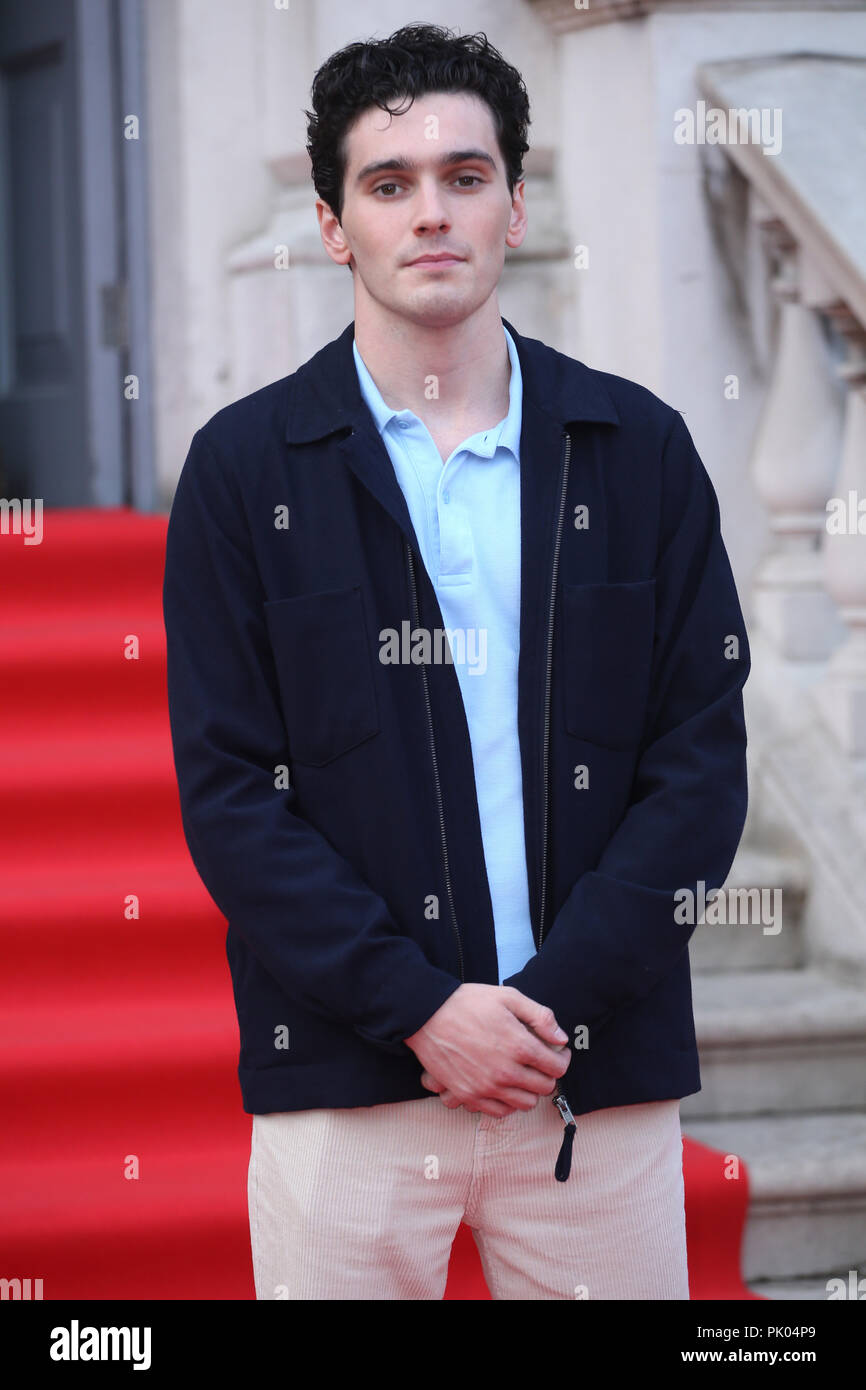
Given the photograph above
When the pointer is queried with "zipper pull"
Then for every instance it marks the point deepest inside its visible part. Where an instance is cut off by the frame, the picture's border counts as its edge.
(563, 1162)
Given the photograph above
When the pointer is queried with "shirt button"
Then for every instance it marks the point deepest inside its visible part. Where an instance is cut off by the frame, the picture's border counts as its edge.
(446, 497)
(404, 424)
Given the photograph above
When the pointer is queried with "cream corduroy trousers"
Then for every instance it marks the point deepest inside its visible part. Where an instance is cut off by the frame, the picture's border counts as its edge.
(365, 1203)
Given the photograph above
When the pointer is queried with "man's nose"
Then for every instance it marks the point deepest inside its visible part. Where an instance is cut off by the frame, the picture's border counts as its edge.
(429, 210)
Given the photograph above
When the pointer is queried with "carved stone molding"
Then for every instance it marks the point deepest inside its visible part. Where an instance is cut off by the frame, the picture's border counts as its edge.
(564, 15)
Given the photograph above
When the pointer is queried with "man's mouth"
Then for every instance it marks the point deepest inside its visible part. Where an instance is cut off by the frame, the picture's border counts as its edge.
(442, 260)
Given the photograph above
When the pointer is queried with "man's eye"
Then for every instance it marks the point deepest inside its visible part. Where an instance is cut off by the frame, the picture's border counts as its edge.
(474, 178)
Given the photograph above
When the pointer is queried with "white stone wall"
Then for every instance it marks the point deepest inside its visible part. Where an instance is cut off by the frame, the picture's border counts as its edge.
(228, 84)
(228, 81)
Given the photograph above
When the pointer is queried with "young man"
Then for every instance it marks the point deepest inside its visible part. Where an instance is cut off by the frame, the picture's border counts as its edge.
(455, 669)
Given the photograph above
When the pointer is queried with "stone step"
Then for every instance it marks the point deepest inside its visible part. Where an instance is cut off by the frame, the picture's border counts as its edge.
(807, 1190)
(776, 1042)
(753, 944)
(845, 1285)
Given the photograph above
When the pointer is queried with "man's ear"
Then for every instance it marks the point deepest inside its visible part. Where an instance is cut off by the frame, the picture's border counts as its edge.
(331, 232)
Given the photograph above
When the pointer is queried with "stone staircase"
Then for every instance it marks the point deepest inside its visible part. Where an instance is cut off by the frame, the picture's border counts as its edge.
(782, 1040)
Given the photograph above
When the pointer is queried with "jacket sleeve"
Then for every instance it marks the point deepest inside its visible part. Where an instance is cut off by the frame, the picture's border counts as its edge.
(616, 935)
(314, 924)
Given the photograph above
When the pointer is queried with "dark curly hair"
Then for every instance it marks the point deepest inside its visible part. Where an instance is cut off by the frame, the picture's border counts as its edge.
(416, 59)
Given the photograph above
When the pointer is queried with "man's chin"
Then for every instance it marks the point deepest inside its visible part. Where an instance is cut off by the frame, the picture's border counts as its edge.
(437, 311)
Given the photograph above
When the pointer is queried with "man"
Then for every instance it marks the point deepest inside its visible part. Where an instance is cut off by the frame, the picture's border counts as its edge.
(449, 867)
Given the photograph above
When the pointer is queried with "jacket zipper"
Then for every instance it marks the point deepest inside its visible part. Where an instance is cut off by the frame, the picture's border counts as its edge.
(435, 768)
(563, 1162)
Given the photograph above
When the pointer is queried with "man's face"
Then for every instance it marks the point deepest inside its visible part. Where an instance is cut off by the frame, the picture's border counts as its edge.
(438, 185)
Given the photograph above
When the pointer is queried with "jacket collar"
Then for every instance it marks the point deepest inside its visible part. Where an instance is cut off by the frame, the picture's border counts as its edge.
(325, 396)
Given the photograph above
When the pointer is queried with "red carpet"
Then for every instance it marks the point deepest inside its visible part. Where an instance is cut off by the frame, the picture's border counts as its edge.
(123, 1174)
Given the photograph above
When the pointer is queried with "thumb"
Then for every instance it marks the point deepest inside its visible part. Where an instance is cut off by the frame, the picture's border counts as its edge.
(536, 1016)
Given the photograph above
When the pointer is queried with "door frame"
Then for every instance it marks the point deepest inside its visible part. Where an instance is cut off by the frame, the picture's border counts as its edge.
(115, 252)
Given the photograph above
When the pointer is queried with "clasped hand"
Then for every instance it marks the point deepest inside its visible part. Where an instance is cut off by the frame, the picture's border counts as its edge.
(492, 1049)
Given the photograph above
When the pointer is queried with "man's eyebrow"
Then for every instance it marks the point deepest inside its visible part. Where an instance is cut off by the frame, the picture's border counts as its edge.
(381, 166)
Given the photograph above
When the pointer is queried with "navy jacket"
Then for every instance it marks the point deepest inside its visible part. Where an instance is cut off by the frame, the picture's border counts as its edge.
(328, 799)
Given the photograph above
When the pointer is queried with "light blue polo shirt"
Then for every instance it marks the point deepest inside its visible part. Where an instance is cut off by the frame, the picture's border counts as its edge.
(466, 515)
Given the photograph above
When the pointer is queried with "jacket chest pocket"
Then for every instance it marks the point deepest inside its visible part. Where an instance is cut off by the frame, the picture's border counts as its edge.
(325, 672)
(608, 633)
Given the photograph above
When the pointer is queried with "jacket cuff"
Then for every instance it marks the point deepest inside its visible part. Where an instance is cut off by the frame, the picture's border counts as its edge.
(427, 996)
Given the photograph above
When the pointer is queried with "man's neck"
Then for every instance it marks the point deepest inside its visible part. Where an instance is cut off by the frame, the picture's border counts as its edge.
(455, 379)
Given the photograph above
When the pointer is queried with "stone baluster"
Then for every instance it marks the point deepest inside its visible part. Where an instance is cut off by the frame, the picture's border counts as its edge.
(841, 693)
(794, 460)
